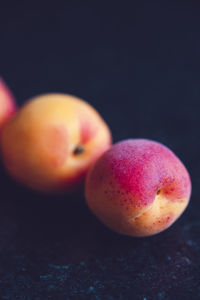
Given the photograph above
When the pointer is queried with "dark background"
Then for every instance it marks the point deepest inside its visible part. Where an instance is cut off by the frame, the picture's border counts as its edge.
(139, 65)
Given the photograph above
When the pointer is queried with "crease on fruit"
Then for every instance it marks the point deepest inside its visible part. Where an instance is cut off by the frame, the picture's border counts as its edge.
(141, 213)
(164, 204)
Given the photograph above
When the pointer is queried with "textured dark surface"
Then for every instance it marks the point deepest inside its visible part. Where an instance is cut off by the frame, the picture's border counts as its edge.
(139, 66)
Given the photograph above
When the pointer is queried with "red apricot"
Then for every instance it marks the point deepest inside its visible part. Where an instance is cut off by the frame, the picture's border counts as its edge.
(7, 103)
(138, 187)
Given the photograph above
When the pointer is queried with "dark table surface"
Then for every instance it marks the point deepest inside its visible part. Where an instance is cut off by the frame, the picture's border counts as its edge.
(139, 65)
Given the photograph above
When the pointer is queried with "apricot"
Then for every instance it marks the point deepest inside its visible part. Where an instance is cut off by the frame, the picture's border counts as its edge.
(138, 187)
(49, 144)
(7, 103)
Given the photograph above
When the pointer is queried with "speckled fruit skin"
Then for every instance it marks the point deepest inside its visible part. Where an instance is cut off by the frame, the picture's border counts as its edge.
(7, 103)
(138, 187)
(41, 143)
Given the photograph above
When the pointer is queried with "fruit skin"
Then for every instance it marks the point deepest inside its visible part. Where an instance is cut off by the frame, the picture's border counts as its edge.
(138, 187)
(38, 143)
(7, 103)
